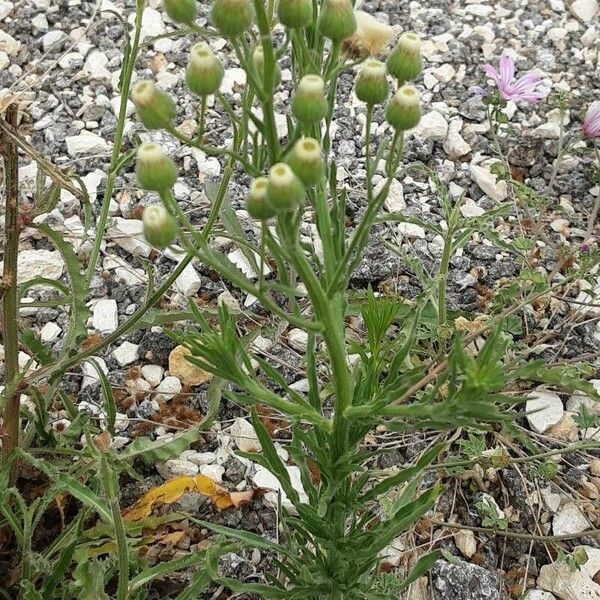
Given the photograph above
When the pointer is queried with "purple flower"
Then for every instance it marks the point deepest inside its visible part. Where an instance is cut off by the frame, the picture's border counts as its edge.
(591, 123)
(510, 88)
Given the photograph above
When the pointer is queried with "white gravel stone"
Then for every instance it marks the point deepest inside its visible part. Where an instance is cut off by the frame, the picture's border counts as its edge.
(244, 436)
(395, 201)
(169, 387)
(51, 38)
(585, 10)
(578, 399)
(433, 126)
(298, 339)
(479, 10)
(105, 316)
(38, 263)
(264, 479)
(86, 143)
(455, 146)
(539, 595)
(90, 375)
(569, 520)
(200, 458)
(50, 332)
(188, 283)
(153, 374)
(4, 60)
(96, 65)
(489, 184)
(470, 209)
(5, 9)
(411, 230)
(126, 353)
(465, 541)
(129, 235)
(176, 467)
(233, 78)
(566, 583)
(544, 409)
(8, 44)
(214, 472)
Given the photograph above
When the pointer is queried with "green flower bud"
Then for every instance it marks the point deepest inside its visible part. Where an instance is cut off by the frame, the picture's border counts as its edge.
(204, 72)
(155, 108)
(371, 84)
(295, 13)
(337, 20)
(307, 161)
(257, 204)
(181, 11)
(154, 169)
(258, 60)
(232, 17)
(404, 109)
(284, 190)
(405, 62)
(160, 228)
(309, 104)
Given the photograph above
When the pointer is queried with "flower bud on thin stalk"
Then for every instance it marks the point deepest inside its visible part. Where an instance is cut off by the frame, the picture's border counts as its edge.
(404, 109)
(160, 228)
(155, 171)
(258, 60)
(155, 108)
(181, 11)
(232, 17)
(295, 13)
(285, 190)
(405, 62)
(371, 84)
(337, 20)
(309, 104)
(204, 73)
(306, 160)
(257, 204)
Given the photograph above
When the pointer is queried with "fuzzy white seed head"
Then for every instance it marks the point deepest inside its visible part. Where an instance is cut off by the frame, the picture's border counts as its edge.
(372, 35)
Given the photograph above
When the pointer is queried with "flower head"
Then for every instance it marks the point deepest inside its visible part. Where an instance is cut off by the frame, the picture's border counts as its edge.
(370, 34)
(524, 88)
(591, 122)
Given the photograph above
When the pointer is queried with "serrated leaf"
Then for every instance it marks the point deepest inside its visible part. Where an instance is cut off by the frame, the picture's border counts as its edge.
(151, 451)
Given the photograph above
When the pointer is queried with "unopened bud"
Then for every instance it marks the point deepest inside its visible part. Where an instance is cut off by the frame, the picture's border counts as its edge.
(404, 109)
(337, 20)
(154, 169)
(154, 107)
(181, 11)
(232, 17)
(307, 161)
(160, 228)
(204, 72)
(371, 84)
(295, 13)
(258, 60)
(257, 204)
(309, 104)
(285, 190)
(405, 62)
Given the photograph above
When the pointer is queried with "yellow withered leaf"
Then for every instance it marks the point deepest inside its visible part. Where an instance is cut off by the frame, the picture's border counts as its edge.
(171, 491)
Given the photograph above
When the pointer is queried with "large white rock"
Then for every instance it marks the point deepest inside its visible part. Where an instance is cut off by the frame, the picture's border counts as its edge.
(455, 146)
(86, 143)
(489, 184)
(8, 44)
(105, 317)
(578, 399)
(411, 230)
(395, 201)
(153, 374)
(569, 520)
(244, 436)
(5, 9)
(470, 209)
(50, 332)
(38, 263)
(539, 595)
(566, 583)
(585, 10)
(169, 387)
(90, 375)
(265, 480)
(544, 409)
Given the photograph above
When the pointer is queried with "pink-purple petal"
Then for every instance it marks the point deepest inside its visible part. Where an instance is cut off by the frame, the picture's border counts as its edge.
(591, 122)
(507, 69)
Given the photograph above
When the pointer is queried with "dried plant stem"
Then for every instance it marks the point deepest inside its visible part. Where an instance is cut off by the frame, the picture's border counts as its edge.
(10, 439)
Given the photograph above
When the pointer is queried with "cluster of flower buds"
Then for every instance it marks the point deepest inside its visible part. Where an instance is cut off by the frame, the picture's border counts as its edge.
(285, 187)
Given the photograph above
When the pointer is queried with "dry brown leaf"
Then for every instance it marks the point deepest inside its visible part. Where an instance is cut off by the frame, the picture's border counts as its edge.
(172, 539)
(172, 490)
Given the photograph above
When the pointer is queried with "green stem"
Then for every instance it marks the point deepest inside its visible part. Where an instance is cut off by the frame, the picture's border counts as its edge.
(116, 153)
(368, 153)
(111, 489)
(202, 120)
(12, 408)
(443, 281)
